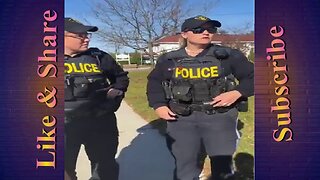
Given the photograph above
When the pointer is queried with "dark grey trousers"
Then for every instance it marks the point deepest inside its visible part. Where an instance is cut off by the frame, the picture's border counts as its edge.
(192, 137)
(100, 138)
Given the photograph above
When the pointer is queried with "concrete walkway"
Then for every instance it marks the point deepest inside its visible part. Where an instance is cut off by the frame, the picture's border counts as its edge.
(142, 152)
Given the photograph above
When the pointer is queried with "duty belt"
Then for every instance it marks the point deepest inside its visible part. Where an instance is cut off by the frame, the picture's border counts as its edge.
(209, 109)
(187, 109)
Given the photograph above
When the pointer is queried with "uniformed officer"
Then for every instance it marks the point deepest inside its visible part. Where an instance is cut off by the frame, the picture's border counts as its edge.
(94, 87)
(195, 91)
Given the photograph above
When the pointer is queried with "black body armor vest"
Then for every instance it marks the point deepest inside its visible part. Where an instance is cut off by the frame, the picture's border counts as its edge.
(195, 81)
(84, 78)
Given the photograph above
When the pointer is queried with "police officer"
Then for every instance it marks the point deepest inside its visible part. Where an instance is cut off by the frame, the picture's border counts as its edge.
(195, 91)
(94, 87)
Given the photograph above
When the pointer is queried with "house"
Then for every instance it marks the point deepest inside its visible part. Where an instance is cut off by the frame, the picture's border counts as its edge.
(244, 42)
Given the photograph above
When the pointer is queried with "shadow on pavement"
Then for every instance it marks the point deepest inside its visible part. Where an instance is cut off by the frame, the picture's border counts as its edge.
(147, 157)
(244, 164)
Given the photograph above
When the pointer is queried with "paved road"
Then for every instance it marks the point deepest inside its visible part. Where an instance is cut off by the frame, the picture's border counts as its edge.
(142, 152)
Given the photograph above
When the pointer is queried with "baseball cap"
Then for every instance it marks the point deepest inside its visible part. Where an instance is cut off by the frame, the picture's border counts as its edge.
(75, 26)
(198, 21)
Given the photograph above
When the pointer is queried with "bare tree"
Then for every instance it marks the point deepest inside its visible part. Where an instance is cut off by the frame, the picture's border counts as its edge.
(139, 23)
(234, 37)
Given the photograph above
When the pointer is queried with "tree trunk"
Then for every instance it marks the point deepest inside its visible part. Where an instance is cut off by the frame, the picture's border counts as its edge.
(151, 53)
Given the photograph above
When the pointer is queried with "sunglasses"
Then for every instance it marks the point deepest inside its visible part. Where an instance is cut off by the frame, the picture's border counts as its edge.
(200, 30)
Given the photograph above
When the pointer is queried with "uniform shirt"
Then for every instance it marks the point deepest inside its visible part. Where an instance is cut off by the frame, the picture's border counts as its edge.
(236, 63)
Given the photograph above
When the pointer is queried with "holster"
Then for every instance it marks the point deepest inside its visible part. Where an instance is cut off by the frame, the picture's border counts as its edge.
(242, 104)
(180, 109)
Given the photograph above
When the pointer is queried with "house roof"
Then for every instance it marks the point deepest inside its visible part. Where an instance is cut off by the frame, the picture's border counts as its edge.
(216, 37)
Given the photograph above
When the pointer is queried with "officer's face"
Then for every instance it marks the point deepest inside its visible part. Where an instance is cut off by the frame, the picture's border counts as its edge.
(76, 43)
(201, 36)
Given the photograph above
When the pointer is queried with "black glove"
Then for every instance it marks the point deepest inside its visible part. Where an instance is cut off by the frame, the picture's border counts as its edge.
(113, 93)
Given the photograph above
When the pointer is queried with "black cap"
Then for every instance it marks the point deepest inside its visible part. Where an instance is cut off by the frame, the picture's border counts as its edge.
(198, 21)
(74, 26)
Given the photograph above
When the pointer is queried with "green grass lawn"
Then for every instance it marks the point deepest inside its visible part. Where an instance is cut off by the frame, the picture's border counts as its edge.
(137, 99)
(136, 96)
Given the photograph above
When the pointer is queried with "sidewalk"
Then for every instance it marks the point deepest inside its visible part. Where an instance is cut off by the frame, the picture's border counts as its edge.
(142, 152)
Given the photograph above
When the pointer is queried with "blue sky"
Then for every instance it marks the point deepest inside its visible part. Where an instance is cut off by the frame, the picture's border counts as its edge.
(233, 14)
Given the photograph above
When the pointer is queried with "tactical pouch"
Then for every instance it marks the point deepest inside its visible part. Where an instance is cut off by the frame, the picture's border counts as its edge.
(97, 82)
(180, 109)
(86, 86)
(217, 88)
(182, 92)
(201, 91)
(68, 89)
(166, 85)
(81, 87)
(230, 83)
(68, 93)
